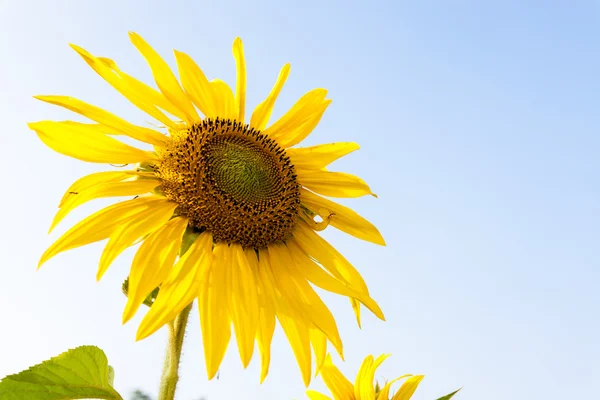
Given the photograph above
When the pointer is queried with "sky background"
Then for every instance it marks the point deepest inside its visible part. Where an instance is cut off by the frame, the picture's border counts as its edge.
(479, 128)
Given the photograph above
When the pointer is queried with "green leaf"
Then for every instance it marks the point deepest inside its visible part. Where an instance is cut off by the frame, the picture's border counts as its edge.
(80, 373)
(449, 396)
(111, 375)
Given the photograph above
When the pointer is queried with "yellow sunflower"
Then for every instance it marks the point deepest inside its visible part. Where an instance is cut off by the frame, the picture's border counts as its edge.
(240, 198)
(363, 388)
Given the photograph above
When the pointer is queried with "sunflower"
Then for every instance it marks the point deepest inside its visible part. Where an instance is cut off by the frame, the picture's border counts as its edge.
(363, 388)
(228, 213)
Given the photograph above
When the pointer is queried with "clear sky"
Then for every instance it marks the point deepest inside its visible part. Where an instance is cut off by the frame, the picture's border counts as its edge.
(480, 131)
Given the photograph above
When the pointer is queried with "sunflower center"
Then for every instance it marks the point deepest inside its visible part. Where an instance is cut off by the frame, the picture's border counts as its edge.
(242, 169)
(232, 181)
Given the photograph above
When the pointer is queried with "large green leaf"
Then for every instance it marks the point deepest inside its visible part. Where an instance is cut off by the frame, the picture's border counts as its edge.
(80, 373)
(449, 396)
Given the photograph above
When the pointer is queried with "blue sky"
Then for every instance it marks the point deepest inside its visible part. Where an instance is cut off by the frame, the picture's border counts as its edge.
(480, 133)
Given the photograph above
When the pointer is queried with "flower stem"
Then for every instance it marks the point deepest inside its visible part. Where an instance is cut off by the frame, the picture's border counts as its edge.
(170, 375)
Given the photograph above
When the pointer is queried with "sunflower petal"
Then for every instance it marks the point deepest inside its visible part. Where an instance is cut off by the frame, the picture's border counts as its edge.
(331, 259)
(243, 304)
(100, 128)
(165, 80)
(87, 144)
(340, 387)
(363, 389)
(284, 129)
(312, 395)
(408, 388)
(105, 189)
(152, 263)
(150, 94)
(301, 296)
(180, 287)
(298, 335)
(319, 344)
(333, 184)
(343, 218)
(214, 312)
(240, 88)
(105, 118)
(266, 316)
(99, 225)
(262, 112)
(96, 178)
(224, 101)
(384, 394)
(320, 278)
(132, 230)
(356, 308)
(196, 85)
(320, 156)
(131, 91)
(300, 132)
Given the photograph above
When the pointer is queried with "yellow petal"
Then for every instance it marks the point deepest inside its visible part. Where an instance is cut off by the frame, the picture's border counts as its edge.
(300, 132)
(133, 229)
(105, 189)
(262, 112)
(100, 225)
(266, 317)
(294, 324)
(214, 312)
(356, 308)
(103, 117)
(224, 102)
(363, 387)
(152, 263)
(151, 95)
(165, 80)
(362, 391)
(312, 395)
(317, 276)
(240, 88)
(343, 218)
(408, 388)
(123, 85)
(243, 304)
(196, 85)
(319, 344)
(96, 178)
(301, 296)
(340, 387)
(298, 335)
(320, 156)
(100, 128)
(180, 287)
(87, 144)
(333, 184)
(384, 394)
(326, 255)
(300, 118)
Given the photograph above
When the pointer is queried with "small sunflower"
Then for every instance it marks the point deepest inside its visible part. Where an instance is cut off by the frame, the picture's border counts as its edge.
(227, 212)
(363, 388)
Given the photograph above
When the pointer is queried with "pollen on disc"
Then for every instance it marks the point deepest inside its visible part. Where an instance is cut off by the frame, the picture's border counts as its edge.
(232, 181)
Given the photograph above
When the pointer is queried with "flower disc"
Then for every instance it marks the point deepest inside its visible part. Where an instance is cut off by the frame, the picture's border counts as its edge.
(232, 181)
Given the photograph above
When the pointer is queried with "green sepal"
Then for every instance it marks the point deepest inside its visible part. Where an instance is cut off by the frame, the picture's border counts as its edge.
(80, 373)
(449, 396)
(148, 301)
(190, 235)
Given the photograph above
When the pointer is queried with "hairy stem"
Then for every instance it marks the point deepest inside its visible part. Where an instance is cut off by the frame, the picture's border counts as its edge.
(170, 375)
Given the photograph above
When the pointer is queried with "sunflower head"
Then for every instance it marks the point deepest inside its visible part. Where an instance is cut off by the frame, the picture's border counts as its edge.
(224, 208)
(233, 181)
